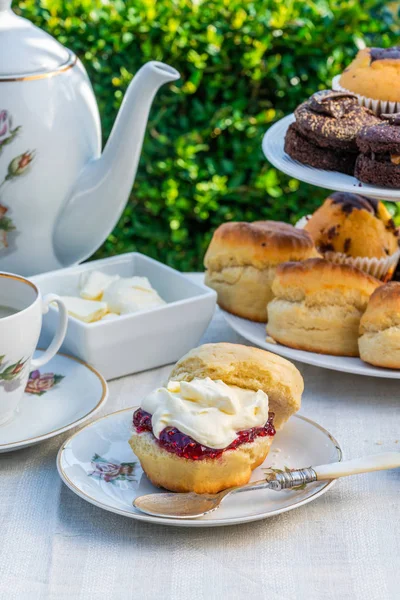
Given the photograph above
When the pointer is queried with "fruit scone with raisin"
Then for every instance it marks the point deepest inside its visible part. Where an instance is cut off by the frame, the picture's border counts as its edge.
(215, 420)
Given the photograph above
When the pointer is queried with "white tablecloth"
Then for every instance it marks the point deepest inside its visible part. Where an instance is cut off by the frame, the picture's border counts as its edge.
(343, 546)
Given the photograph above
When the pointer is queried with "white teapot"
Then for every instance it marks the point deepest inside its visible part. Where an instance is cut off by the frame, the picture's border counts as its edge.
(60, 197)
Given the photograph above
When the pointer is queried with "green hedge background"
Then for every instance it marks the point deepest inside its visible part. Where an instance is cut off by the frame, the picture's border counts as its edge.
(244, 64)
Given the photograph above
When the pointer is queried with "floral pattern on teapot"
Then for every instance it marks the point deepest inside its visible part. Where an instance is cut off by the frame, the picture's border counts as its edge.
(17, 167)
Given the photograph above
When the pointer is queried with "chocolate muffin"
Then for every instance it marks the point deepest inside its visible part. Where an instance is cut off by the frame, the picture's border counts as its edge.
(379, 161)
(324, 133)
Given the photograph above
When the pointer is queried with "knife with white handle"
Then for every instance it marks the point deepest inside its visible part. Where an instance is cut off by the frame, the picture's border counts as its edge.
(281, 480)
(365, 464)
(191, 505)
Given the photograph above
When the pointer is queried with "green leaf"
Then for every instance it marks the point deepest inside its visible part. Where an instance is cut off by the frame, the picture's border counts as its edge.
(300, 487)
(9, 368)
(13, 134)
(6, 224)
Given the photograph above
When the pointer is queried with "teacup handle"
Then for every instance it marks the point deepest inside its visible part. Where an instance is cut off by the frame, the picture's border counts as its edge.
(60, 331)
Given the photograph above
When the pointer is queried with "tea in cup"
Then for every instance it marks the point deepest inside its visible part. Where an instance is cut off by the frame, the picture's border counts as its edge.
(21, 310)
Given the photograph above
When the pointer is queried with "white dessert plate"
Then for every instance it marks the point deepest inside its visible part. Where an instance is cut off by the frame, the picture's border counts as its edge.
(98, 464)
(273, 148)
(63, 394)
(256, 334)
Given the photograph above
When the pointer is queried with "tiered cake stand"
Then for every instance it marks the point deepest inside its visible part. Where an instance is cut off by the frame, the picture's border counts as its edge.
(273, 148)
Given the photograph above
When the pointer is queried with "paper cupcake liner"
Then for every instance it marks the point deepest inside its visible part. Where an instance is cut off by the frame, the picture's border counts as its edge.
(381, 268)
(377, 106)
(301, 223)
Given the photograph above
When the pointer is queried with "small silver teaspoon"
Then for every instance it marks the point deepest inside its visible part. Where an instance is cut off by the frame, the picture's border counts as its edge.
(191, 505)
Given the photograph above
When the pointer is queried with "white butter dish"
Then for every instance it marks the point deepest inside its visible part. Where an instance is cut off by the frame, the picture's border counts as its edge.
(132, 342)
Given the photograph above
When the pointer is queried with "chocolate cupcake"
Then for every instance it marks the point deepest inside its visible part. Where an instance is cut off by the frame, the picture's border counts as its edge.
(374, 75)
(324, 133)
(379, 161)
(358, 231)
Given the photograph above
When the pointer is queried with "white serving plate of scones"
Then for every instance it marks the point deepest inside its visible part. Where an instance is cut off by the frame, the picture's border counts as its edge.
(224, 417)
(321, 293)
(255, 333)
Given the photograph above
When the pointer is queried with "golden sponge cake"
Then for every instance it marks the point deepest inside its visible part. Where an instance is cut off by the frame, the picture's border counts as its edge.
(379, 341)
(374, 73)
(354, 225)
(318, 306)
(241, 261)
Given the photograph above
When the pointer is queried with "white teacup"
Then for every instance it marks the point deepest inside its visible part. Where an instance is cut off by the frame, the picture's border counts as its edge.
(21, 309)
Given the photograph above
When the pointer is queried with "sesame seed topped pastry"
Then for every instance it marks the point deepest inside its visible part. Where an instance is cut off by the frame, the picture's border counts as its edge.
(324, 133)
(379, 161)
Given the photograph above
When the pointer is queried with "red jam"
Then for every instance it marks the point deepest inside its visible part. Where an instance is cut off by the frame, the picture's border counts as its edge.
(173, 440)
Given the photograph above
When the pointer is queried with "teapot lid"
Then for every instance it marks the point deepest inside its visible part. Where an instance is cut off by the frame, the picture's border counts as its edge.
(27, 50)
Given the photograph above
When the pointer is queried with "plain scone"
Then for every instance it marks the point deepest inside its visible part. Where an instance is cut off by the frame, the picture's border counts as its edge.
(234, 364)
(241, 261)
(318, 306)
(380, 328)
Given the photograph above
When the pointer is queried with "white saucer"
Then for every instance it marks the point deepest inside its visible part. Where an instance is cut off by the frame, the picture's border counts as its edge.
(98, 464)
(273, 148)
(256, 334)
(64, 393)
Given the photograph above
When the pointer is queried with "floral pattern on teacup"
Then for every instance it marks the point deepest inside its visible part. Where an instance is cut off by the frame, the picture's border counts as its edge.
(20, 165)
(112, 471)
(39, 384)
(10, 375)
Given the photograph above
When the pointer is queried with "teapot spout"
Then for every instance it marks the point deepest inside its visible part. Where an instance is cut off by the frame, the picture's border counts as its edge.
(102, 189)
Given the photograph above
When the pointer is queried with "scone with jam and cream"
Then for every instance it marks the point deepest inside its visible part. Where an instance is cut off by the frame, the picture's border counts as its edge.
(215, 420)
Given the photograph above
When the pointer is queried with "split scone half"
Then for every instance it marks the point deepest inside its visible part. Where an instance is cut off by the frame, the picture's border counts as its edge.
(318, 306)
(379, 340)
(215, 420)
